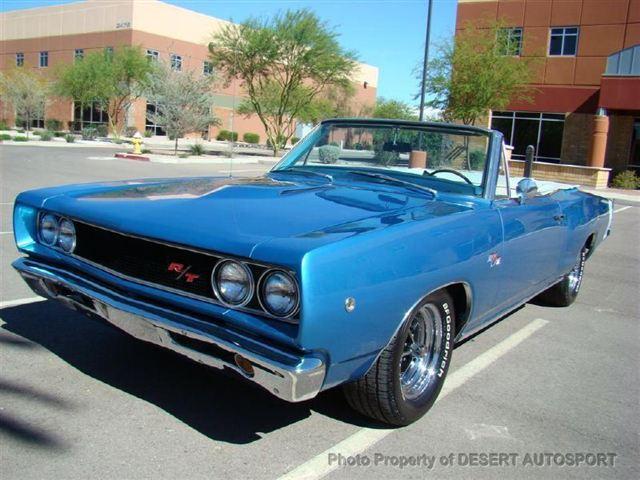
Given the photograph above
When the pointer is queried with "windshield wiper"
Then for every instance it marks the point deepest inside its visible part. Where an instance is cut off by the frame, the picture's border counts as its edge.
(304, 170)
(397, 181)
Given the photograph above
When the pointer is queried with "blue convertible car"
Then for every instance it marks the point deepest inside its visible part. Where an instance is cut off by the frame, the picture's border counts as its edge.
(358, 260)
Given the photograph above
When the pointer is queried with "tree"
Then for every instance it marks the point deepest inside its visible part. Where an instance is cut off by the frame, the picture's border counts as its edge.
(27, 92)
(112, 80)
(394, 109)
(284, 64)
(476, 73)
(184, 101)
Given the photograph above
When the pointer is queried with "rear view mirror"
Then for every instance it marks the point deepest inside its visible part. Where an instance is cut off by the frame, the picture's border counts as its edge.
(526, 188)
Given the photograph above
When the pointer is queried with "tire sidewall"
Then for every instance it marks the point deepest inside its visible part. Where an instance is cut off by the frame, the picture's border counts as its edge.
(573, 293)
(412, 409)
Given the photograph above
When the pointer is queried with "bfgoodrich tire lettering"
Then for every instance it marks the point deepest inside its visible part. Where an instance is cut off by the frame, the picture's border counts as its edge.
(391, 391)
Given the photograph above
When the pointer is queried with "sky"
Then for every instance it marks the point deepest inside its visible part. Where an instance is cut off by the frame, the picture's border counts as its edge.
(386, 33)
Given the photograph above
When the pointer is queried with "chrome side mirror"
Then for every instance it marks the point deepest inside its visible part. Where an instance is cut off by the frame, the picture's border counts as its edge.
(526, 188)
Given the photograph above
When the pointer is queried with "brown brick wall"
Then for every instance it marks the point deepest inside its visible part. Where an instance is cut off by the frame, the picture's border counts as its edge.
(570, 174)
(619, 142)
(576, 138)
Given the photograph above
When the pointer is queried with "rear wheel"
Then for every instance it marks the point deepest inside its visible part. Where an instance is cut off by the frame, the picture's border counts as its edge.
(565, 292)
(405, 381)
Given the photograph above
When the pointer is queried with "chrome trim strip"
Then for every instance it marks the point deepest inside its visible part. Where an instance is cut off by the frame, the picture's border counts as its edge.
(297, 381)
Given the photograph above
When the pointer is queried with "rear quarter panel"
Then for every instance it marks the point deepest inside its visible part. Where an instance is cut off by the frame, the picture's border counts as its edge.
(585, 215)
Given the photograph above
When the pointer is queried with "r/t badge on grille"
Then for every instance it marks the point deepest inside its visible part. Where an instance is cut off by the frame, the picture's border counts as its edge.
(183, 272)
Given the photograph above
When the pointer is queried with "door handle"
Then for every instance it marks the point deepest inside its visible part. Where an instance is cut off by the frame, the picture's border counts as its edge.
(559, 217)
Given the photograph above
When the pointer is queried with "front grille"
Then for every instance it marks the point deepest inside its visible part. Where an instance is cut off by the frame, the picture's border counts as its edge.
(149, 261)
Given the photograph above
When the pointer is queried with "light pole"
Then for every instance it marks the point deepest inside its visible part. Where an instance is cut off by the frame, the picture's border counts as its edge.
(425, 63)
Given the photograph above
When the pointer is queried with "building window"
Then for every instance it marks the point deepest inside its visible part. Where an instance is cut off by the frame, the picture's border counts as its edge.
(44, 59)
(19, 59)
(510, 41)
(37, 122)
(176, 62)
(542, 130)
(207, 68)
(153, 55)
(90, 114)
(564, 41)
(78, 54)
(150, 125)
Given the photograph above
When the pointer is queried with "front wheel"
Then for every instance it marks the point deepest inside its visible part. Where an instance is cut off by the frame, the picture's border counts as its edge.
(565, 292)
(405, 381)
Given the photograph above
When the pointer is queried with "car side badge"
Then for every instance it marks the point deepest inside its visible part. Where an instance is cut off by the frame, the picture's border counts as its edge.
(494, 259)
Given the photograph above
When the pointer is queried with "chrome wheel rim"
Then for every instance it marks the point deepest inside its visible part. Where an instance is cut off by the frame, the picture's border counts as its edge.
(421, 351)
(575, 275)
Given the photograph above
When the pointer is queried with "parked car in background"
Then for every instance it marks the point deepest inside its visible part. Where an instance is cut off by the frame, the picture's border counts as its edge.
(359, 260)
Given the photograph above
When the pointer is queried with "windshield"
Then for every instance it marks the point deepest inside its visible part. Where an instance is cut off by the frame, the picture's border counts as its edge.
(439, 158)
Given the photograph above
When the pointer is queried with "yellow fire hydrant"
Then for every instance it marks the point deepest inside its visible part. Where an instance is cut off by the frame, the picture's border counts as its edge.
(137, 143)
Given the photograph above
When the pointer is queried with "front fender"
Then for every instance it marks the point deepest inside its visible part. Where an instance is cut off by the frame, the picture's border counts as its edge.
(387, 273)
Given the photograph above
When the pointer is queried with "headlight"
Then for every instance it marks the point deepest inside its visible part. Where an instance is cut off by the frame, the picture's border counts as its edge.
(279, 294)
(232, 283)
(48, 229)
(67, 235)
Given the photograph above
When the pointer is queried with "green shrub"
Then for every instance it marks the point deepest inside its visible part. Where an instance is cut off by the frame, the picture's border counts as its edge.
(225, 135)
(626, 179)
(294, 140)
(251, 138)
(196, 149)
(4, 125)
(20, 138)
(148, 133)
(335, 144)
(183, 155)
(53, 124)
(69, 138)
(46, 136)
(59, 134)
(146, 150)
(101, 129)
(89, 133)
(477, 159)
(328, 153)
(5, 136)
(20, 130)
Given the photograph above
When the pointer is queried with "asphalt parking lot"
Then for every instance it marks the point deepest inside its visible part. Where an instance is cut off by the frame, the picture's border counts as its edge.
(80, 400)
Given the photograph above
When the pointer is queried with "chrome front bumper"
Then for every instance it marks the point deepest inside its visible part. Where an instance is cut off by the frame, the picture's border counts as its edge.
(288, 376)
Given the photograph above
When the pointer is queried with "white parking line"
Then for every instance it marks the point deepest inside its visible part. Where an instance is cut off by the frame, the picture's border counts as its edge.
(365, 438)
(20, 301)
(621, 209)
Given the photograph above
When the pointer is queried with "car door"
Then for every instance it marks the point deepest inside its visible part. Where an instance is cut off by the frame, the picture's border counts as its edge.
(533, 235)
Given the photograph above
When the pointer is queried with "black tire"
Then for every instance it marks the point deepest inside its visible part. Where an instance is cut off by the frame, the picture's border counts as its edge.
(381, 394)
(565, 292)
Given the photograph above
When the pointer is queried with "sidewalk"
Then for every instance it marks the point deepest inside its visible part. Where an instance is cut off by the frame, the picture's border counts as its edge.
(630, 197)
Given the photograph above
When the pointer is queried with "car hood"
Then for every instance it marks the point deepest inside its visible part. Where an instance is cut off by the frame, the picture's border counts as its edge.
(236, 215)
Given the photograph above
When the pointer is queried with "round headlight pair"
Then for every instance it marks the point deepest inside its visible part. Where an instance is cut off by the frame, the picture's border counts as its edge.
(57, 232)
(233, 284)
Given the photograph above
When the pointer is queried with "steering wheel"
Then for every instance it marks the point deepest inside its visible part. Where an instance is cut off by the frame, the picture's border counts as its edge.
(449, 170)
